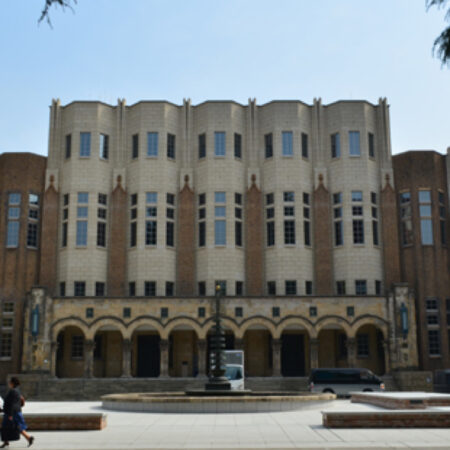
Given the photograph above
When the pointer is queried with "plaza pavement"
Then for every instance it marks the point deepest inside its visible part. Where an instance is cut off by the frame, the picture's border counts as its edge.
(283, 430)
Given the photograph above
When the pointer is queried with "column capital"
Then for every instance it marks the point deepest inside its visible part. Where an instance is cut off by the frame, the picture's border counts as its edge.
(313, 342)
(89, 344)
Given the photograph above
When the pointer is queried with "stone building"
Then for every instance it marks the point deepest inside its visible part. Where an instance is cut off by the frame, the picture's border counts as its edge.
(291, 208)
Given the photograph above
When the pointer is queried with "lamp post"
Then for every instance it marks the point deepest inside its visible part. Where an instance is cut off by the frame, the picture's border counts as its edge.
(218, 381)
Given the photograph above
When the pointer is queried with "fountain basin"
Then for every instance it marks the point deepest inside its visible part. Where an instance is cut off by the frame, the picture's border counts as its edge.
(180, 402)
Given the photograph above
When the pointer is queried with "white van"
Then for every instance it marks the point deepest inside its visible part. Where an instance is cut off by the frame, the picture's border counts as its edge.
(234, 368)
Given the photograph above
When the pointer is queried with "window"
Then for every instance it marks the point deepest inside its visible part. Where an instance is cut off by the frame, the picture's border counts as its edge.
(432, 320)
(340, 287)
(220, 197)
(362, 345)
(426, 223)
(202, 234)
(335, 146)
(150, 288)
(126, 313)
(238, 233)
(371, 144)
(201, 288)
(62, 289)
(100, 289)
(201, 311)
(290, 287)
(357, 210)
(306, 219)
(377, 287)
(133, 218)
(373, 199)
(77, 347)
(375, 232)
(220, 227)
(169, 289)
(237, 145)
(13, 226)
(82, 230)
(288, 196)
(170, 234)
(304, 145)
(132, 288)
(238, 311)
(135, 146)
(219, 143)
(337, 220)
(271, 288)
(442, 218)
(268, 145)
(79, 288)
(152, 144)
(170, 146)
(220, 232)
(269, 199)
(85, 145)
(170, 223)
(357, 196)
(358, 232)
(434, 343)
(289, 232)
(32, 235)
(270, 234)
(287, 139)
(101, 234)
(353, 141)
(201, 146)
(68, 146)
(405, 218)
(150, 232)
(239, 288)
(308, 287)
(33, 217)
(104, 146)
(276, 311)
(360, 287)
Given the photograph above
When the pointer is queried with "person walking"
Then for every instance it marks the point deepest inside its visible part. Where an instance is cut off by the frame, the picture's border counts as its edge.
(13, 420)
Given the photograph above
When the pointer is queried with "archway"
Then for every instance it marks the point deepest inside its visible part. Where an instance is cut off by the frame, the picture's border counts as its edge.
(183, 351)
(333, 346)
(70, 355)
(369, 351)
(108, 352)
(146, 352)
(295, 353)
(258, 351)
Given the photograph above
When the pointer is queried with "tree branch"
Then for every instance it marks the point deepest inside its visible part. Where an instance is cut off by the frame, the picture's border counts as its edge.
(45, 15)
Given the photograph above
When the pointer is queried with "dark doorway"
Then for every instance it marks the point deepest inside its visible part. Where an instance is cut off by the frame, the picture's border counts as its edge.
(292, 355)
(148, 356)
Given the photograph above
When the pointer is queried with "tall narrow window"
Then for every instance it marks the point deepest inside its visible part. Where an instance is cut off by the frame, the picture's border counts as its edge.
(13, 227)
(171, 146)
(306, 219)
(219, 143)
(305, 151)
(290, 287)
(170, 220)
(170, 289)
(201, 146)
(426, 222)
(354, 144)
(358, 223)
(135, 146)
(268, 145)
(33, 220)
(287, 142)
(79, 288)
(133, 219)
(289, 222)
(237, 145)
(405, 218)
(65, 220)
(360, 287)
(68, 146)
(442, 219)
(270, 220)
(104, 146)
(150, 288)
(99, 289)
(202, 220)
(337, 219)
(82, 219)
(85, 145)
(151, 227)
(238, 219)
(371, 144)
(340, 287)
(101, 219)
(375, 237)
(220, 225)
(433, 326)
(335, 145)
(152, 144)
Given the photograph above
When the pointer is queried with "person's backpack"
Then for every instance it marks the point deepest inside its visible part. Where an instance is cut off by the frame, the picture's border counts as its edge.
(10, 431)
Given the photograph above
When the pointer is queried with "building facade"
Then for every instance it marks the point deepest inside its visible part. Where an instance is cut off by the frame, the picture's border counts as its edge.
(291, 208)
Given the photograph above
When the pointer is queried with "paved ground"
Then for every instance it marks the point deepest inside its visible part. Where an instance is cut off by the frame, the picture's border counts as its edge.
(283, 430)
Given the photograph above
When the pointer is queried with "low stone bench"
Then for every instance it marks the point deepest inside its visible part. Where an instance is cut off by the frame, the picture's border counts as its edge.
(65, 421)
(401, 400)
(386, 419)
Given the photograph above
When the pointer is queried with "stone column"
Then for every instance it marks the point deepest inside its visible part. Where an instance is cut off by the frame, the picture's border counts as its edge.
(53, 360)
(89, 346)
(201, 351)
(164, 358)
(276, 357)
(126, 358)
(314, 353)
(351, 352)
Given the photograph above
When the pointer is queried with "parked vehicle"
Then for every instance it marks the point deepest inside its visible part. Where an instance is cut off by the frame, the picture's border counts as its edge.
(343, 381)
(234, 368)
(442, 381)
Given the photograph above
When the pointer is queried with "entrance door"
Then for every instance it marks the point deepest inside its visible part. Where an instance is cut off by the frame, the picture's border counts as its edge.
(148, 356)
(292, 355)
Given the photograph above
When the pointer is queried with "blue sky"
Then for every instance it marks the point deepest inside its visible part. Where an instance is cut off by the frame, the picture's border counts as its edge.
(224, 49)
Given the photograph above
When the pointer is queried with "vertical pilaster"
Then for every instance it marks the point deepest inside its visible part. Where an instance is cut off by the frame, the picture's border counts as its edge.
(351, 352)
(276, 357)
(185, 284)
(164, 360)
(117, 255)
(89, 346)
(254, 254)
(126, 358)
(314, 353)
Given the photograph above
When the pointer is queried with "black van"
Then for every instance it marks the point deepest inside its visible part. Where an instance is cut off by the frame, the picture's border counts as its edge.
(344, 381)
